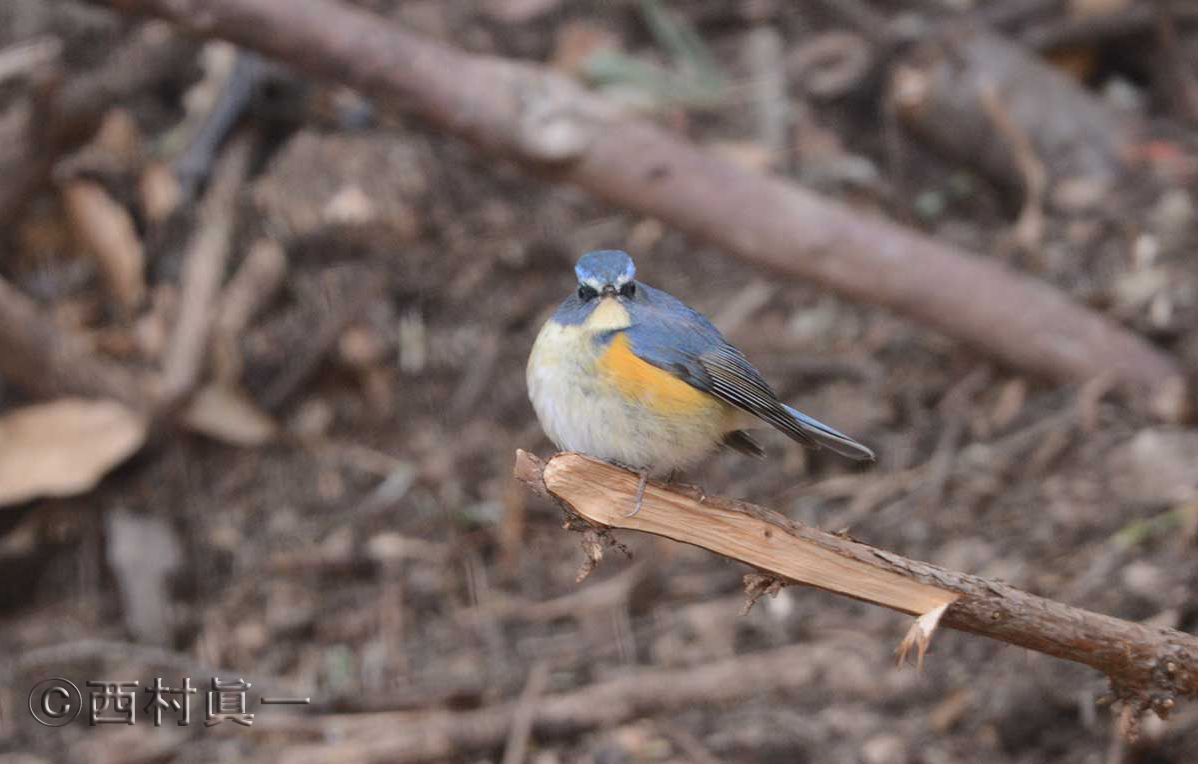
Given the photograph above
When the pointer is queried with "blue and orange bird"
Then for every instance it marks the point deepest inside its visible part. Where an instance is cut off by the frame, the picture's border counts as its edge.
(631, 375)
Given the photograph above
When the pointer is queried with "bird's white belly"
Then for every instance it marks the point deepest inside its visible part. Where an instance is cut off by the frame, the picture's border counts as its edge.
(580, 413)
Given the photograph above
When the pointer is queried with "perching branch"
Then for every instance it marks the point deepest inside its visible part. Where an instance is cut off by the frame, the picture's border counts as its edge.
(555, 127)
(1149, 667)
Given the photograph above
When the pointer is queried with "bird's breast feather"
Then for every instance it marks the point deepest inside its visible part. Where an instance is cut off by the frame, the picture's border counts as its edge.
(654, 387)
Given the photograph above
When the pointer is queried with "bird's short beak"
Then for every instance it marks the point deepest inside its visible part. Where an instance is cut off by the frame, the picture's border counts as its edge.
(608, 290)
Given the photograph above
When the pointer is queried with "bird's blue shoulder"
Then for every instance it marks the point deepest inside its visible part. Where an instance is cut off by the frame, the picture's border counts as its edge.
(671, 335)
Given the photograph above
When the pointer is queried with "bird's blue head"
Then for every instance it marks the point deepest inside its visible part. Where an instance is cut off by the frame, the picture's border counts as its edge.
(606, 271)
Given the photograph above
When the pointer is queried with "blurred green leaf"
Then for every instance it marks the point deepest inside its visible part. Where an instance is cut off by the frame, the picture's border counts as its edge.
(1138, 531)
(683, 44)
(693, 79)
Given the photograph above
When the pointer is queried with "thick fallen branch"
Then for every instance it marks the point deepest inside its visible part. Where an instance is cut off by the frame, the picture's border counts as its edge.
(554, 126)
(399, 738)
(1149, 667)
(940, 90)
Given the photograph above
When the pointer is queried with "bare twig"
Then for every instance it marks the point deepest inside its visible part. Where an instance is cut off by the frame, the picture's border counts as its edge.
(1029, 228)
(831, 64)
(954, 408)
(612, 593)
(202, 274)
(250, 288)
(771, 106)
(197, 160)
(1185, 83)
(552, 125)
(28, 56)
(1149, 668)
(690, 746)
(517, 742)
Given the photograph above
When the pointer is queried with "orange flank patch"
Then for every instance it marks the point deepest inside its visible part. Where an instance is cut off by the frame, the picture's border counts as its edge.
(656, 389)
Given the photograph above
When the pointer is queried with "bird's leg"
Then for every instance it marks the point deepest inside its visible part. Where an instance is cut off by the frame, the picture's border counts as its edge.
(640, 488)
(640, 491)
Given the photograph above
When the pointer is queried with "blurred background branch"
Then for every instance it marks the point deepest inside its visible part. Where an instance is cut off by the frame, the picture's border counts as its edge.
(557, 128)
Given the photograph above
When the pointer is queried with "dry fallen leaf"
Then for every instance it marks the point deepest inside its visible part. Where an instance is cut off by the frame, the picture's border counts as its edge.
(1159, 465)
(64, 447)
(227, 414)
(160, 191)
(143, 552)
(106, 228)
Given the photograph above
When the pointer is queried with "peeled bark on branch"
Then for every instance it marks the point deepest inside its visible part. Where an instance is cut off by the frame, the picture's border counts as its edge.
(555, 127)
(1149, 667)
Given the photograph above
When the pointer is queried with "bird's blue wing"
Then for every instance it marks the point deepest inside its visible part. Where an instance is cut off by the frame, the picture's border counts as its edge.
(672, 336)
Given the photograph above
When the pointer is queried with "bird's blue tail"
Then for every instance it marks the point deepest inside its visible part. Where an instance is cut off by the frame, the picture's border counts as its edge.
(829, 437)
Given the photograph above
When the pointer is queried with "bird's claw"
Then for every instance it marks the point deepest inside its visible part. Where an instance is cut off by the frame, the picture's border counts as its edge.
(640, 493)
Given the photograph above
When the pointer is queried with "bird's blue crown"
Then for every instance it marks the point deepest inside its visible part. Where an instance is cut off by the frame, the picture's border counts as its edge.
(605, 266)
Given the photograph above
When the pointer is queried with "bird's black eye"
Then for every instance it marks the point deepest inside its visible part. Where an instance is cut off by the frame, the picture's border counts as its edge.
(586, 293)
(628, 290)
